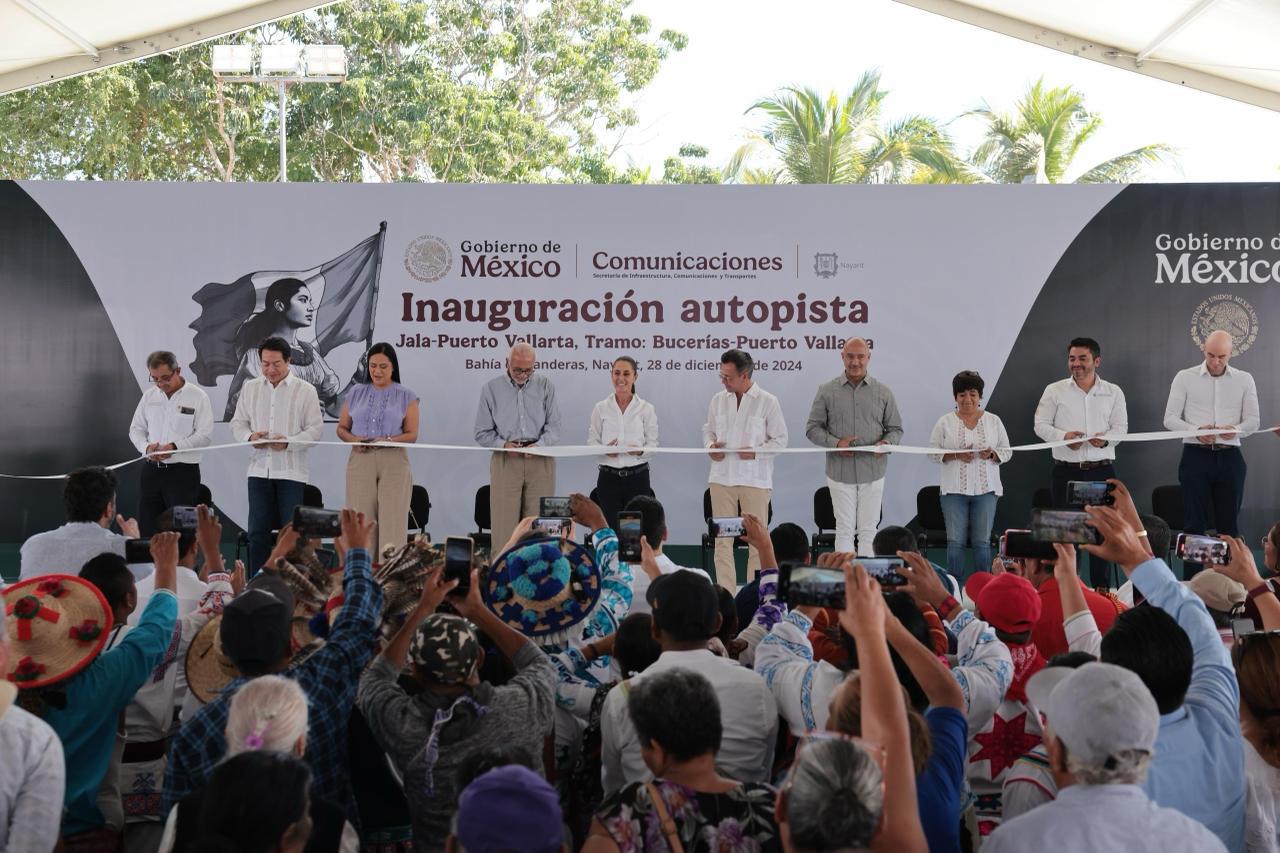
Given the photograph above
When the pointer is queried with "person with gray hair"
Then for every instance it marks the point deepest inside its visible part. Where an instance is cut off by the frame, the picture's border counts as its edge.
(172, 422)
(844, 794)
(1101, 724)
(517, 410)
(32, 774)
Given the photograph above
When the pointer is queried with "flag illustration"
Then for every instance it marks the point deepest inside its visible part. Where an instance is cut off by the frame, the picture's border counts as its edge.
(347, 288)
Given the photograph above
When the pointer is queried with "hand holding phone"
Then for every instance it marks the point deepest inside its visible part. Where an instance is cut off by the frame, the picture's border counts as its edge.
(1211, 551)
(458, 554)
(630, 530)
(1061, 525)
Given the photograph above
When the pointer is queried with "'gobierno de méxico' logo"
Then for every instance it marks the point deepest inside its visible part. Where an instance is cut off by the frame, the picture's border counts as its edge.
(428, 258)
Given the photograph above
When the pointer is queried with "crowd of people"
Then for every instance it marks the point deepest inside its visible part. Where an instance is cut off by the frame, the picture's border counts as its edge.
(555, 697)
(363, 693)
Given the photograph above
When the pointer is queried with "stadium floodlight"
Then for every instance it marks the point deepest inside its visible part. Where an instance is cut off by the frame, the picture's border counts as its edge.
(280, 66)
(283, 59)
(325, 60)
(232, 59)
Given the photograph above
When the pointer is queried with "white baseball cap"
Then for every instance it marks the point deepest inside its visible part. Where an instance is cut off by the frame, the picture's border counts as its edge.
(1096, 710)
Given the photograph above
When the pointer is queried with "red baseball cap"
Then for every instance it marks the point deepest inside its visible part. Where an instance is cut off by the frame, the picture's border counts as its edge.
(1007, 601)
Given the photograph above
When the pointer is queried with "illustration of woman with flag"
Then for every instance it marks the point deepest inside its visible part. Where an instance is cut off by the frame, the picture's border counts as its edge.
(288, 307)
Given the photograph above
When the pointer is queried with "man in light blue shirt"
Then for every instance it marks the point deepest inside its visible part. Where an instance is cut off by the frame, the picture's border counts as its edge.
(517, 409)
(1175, 649)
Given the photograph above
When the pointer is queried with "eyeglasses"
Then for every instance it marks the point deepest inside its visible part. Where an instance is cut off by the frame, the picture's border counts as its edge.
(161, 380)
(522, 371)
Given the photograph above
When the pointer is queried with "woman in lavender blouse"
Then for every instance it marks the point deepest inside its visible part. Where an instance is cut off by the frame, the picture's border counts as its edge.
(379, 479)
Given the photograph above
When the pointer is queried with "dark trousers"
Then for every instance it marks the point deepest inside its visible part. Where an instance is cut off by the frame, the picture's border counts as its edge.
(163, 487)
(1211, 479)
(615, 487)
(1099, 570)
(271, 504)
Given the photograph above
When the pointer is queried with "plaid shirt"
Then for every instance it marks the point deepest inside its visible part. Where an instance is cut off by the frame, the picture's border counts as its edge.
(329, 678)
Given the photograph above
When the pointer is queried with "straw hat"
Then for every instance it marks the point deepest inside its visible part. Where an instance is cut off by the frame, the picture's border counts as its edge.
(57, 625)
(543, 588)
(209, 670)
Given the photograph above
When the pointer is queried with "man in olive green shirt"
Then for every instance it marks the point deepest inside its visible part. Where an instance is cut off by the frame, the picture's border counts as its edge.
(849, 411)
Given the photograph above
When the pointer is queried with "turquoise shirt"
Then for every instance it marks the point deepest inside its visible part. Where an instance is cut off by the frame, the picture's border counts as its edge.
(1198, 767)
(95, 698)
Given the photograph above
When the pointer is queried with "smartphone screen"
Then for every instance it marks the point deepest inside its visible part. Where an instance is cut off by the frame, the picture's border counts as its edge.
(887, 570)
(458, 551)
(556, 507)
(1203, 549)
(810, 585)
(726, 528)
(137, 551)
(1088, 493)
(629, 532)
(184, 519)
(561, 527)
(317, 521)
(1062, 525)
(1019, 545)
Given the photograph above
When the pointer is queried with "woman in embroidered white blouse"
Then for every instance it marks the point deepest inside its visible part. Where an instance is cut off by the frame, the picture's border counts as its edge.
(623, 420)
(976, 444)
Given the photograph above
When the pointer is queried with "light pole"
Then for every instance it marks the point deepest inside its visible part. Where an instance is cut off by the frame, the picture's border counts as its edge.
(279, 65)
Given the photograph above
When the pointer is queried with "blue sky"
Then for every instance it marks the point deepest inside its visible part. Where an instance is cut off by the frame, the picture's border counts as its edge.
(743, 50)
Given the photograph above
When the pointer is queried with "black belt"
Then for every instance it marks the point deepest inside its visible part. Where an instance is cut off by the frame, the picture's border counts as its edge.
(643, 467)
(1084, 466)
(1212, 446)
(157, 463)
(135, 753)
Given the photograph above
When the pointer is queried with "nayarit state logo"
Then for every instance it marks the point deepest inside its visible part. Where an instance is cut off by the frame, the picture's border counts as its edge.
(825, 264)
(1227, 312)
(428, 258)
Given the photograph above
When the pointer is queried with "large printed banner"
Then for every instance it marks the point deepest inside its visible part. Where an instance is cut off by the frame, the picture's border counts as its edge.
(940, 279)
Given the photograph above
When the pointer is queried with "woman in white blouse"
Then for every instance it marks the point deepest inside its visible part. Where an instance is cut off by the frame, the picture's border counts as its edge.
(623, 420)
(976, 444)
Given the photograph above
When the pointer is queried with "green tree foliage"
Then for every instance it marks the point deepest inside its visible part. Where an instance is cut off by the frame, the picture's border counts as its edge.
(810, 138)
(690, 167)
(1039, 140)
(451, 90)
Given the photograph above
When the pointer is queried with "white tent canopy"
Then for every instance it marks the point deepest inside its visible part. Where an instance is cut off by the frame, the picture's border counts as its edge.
(46, 40)
(1226, 47)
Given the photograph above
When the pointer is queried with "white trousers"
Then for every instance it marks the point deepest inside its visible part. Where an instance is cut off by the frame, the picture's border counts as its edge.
(857, 510)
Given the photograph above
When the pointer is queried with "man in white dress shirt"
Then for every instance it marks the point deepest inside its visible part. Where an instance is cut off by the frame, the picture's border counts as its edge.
(89, 498)
(743, 415)
(1212, 395)
(686, 615)
(282, 409)
(173, 420)
(1084, 407)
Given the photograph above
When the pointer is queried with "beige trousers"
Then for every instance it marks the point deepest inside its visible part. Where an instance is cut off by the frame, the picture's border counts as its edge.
(727, 502)
(516, 482)
(379, 484)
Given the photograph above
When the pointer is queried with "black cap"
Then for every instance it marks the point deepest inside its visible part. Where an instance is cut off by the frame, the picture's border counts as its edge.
(255, 624)
(685, 605)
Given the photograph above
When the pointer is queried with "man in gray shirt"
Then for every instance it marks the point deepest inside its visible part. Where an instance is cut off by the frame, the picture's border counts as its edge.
(854, 410)
(517, 409)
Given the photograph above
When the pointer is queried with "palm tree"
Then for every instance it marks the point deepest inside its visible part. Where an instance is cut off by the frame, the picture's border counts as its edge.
(1039, 140)
(826, 140)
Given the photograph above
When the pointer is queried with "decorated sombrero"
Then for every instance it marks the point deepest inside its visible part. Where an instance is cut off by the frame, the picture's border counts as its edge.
(209, 670)
(543, 588)
(57, 625)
